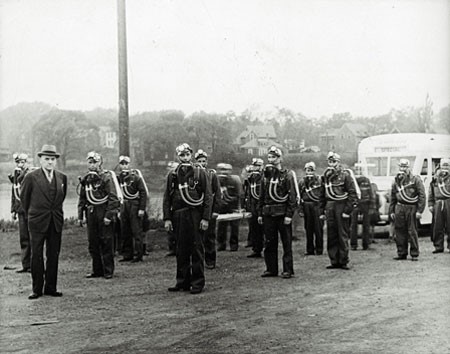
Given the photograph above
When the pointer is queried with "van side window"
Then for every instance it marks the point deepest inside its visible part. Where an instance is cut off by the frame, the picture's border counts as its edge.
(424, 171)
(435, 165)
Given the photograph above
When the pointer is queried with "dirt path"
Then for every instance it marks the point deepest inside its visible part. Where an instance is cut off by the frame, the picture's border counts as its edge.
(379, 306)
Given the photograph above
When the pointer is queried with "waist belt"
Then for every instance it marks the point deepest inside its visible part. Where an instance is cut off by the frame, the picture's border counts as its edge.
(274, 209)
(406, 204)
(181, 210)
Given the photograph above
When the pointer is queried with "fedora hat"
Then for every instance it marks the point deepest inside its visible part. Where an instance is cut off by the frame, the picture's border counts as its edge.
(48, 150)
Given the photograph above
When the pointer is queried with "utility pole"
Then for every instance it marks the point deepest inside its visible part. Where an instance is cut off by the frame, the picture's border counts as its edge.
(124, 137)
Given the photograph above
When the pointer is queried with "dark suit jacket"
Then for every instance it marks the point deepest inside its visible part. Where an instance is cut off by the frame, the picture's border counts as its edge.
(36, 202)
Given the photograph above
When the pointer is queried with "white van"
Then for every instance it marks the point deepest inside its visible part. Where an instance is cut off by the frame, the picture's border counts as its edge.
(379, 156)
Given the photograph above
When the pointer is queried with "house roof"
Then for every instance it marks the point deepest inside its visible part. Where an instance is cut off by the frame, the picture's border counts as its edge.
(261, 131)
(256, 144)
(357, 129)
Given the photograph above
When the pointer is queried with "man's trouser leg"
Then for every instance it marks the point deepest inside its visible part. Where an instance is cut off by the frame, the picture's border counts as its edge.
(210, 243)
(172, 241)
(318, 230)
(106, 248)
(37, 261)
(403, 227)
(257, 234)
(441, 223)
(354, 228)
(222, 235)
(186, 225)
(271, 243)
(126, 231)
(412, 231)
(94, 232)
(234, 235)
(338, 230)
(308, 210)
(53, 247)
(364, 210)
(286, 240)
(24, 238)
(136, 230)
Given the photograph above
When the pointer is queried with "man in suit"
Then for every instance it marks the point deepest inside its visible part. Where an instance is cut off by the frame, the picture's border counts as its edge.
(42, 195)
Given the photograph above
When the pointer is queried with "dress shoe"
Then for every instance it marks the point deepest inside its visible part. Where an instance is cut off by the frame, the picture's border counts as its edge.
(108, 276)
(127, 259)
(354, 248)
(196, 290)
(267, 274)
(308, 254)
(234, 249)
(399, 258)
(435, 251)
(286, 275)
(34, 296)
(414, 259)
(177, 288)
(210, 266)
(170, 254)
(92, 275)
(254, 255)
(248, 245)
(24, 270)
(53, 293)
(334, 266)
(345, 267)
(136, 260)
(220, 249)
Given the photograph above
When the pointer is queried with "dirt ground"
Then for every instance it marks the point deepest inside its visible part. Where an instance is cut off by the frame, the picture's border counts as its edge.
(378, 306)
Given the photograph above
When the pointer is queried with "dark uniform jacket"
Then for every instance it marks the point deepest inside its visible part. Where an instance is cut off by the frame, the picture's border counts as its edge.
(439, 188)
(365, 187)
(37, 203)
(286, 187)
(251, 196)
(311, 190)
(103, 188)
(198, 185)
(215, 190)
(133, 187)
(338, 183)
(232, 193)
(16, 179)
(410, 190)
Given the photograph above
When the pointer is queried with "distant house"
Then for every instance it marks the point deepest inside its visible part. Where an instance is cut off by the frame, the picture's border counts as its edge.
(344, 139)
(108, 137)
(256, 140)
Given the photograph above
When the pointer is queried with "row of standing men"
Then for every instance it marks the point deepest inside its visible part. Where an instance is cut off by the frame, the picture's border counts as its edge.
(195, 195)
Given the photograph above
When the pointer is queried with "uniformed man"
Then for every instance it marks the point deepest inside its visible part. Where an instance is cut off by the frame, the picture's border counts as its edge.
(252, 192)
(132, 210)
(232, 196)
(365, 203)
(98, 206)
(209, 236)
(439, 205)
(187, 206)
(311, 200)
(276, 207)
(17, 211)
(340, 200)
(406, 207)
(171, 237)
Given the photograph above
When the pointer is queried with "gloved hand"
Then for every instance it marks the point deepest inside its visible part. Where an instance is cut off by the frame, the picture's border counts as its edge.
(106, 221)
(431, 209)
(82, 222)
(393, 216)
(204, 224)
(287, 220)
(168, 225)
(345, 216)
(323, 217)
(260, 220)
(418, 216)
(141, 213)
(14, 216)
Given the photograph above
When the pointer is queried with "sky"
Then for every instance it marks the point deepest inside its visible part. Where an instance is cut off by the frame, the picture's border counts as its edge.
(314, 57)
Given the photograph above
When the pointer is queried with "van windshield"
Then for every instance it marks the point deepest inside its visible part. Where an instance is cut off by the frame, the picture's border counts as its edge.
(376, 166)
(394, 163)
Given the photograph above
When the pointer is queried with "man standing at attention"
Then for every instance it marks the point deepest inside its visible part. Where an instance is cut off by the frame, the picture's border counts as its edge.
(42, 196)
(276, 208)
(17, 211)
(406, 207)
(187, 210)
(340, 200)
